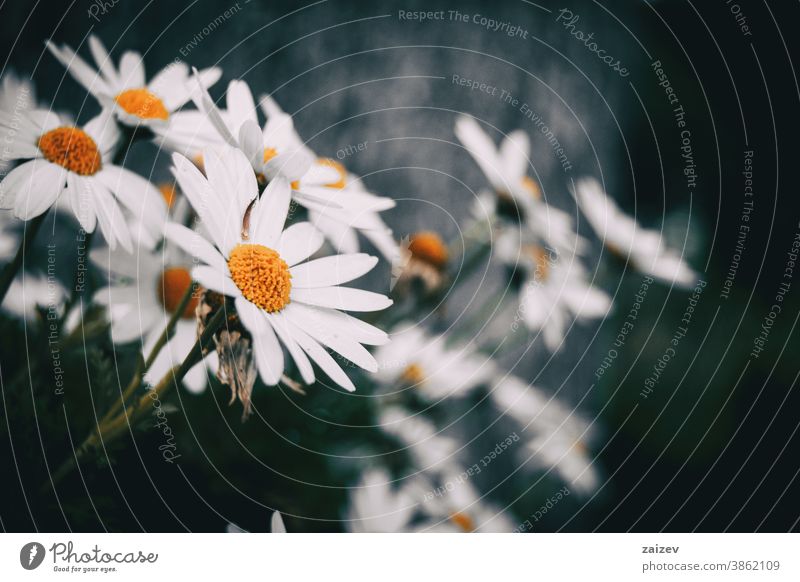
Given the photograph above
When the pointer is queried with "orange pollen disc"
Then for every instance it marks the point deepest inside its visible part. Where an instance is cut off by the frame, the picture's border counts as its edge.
(169, 192)
(142, 103)
(541, 260)
(429, 247)
(463, 521)
(71, 148)
(340, 183)
(413, 374)
(261, 275)
(270, 153)
(532, 187)
(172, 286)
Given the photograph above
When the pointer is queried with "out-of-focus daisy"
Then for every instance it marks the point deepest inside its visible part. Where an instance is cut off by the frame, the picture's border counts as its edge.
(17, 95)
(28, 290)
(429, 449)
(622, 235)
(275, 522)
(125, 89)
(76, 163)
(379, 506)
(337, 202)
(422, 259)
(430, 367)
(455, 506)
(518, 196)
(557, 436)
(145, 290)
(252, 259)
(553, 291)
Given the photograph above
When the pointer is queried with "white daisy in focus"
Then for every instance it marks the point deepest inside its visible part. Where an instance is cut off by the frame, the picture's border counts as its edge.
(622, 235)
(279, 298)
(558, 436)
(17, 95)
(517, 195)
(428, 448)
(145, 290)
(429, 366)
(125, 89)
(76, 163)
(379, 506)
(553, 292)
(337, 202)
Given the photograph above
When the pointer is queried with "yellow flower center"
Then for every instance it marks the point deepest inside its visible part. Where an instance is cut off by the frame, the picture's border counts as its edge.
(413, 374)
(532, 187)
(172, 286)
(270, 153)
(540, 259)
(71, 148)
(342, 181)
(463, 521)
(169, 193)
(429, 247)
(261, 275)
(142, 103)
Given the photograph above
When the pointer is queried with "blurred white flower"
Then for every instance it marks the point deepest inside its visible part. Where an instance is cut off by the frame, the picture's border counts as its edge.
(553, 292)
(337, 202)
(376, 505)
(17, 95)
(252, 259)
(429, 449)
(429, 366)
(516, 194)
(77, 163)
(557, 436)
(125, 90)
(644, 248)
(146, 288)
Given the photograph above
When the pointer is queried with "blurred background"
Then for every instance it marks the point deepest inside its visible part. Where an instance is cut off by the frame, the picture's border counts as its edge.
(713, 448)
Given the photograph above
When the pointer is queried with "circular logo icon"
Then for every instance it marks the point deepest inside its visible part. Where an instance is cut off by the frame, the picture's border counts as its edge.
(31, 555)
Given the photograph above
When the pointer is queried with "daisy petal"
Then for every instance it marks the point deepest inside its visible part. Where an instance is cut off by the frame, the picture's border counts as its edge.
(215, 280)
(322, 358)
(131, 70)
(298, 242)
(270, 211)
(195, 245)
(269, 356)
(38, 185)
(345, 298)
(277, 320)
(333, 270)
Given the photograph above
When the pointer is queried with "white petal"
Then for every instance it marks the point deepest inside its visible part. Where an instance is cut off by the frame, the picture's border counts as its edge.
(333, 270)
(103, 61)
(195, 245)
(80, 71)
(515, 153)
(138, 195)
(269, 213)
(110, 217)
(252, 316)
(81, 201)
(269, 356)
(241, 107)
(39, 184)
(291, 165)
(483, 151)
(345, 298)
(276, 523)
(215, 280)
(360, 331)
(298, 242)
(282, 329)
(322, 358)
(131, 70)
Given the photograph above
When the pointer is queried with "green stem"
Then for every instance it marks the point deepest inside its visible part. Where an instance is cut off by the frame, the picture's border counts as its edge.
(31, 229)
(111, 428)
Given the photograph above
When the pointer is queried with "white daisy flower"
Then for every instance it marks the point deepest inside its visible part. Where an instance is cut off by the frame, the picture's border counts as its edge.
(379, 506)
(145, 290)
(17, 95)
(428, 447)
(126, 90)
(517, 194)
(337, 202)
(553, 291)
(455, 506)
(622, 235)
(76, 162)
(557, 435)
(429, 366)
(255, 261)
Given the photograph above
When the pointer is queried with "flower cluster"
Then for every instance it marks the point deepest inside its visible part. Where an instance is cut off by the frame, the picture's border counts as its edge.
(242, 269)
